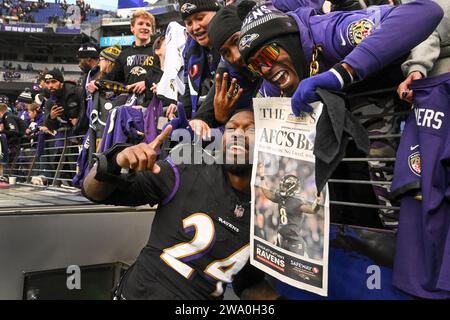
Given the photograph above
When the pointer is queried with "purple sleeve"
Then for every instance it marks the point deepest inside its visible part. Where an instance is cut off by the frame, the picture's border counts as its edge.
(292, 5)
(82, 165)
(186, 97)
(446, 164)
(400, 30)
(407, 172)
(40, 119)
(185, 71)
(114, 132)
(269, 90)
(447, 170)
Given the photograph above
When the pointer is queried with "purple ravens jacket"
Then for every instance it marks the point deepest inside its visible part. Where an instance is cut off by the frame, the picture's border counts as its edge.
(422, 263)
(344, 36)
(407, 164)
(124, 123)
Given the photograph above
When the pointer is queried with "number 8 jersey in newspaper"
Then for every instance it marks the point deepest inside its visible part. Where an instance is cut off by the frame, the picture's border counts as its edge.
(290, 220)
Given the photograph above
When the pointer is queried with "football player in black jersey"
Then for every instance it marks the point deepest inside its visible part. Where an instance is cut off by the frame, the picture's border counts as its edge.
(292, 209)
(200, 233)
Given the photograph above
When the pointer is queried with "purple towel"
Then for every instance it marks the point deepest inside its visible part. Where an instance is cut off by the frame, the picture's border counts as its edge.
(151, 115)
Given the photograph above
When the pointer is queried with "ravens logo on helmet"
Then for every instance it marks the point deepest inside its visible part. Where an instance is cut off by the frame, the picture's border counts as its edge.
(289, 184)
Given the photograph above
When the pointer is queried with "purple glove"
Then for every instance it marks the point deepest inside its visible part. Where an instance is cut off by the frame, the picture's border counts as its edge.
(334, 79)
(181, 122)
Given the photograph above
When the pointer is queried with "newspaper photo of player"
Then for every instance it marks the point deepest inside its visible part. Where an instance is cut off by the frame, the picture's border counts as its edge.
(293, 209)
(290, 220)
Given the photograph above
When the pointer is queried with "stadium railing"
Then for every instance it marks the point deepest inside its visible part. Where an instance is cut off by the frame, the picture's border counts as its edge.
(57, 162)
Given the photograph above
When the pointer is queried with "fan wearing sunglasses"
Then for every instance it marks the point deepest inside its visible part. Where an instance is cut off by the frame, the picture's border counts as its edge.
(301, 51)
(235, 85)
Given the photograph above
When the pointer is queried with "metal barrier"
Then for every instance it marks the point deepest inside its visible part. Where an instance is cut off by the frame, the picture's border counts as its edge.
(58, 163)
(375, 162)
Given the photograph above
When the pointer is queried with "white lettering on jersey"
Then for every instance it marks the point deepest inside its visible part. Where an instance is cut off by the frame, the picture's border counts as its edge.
(130, 60)
(429, 118)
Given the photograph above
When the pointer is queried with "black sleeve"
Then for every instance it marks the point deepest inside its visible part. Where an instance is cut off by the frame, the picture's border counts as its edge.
(153, 76)
(145, 187)
(11, 127)
(206, 111)
(166, 101)
(83, 122)
(48, 122)
(186, 99)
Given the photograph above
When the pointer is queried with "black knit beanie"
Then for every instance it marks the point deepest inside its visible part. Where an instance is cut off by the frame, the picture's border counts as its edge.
(88, 50)
(54, 74)
(188, 7)
(26, 96)
(261, 25)
(223, 25)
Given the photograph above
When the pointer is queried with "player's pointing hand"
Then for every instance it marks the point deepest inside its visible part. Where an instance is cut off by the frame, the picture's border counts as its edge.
(143, 156)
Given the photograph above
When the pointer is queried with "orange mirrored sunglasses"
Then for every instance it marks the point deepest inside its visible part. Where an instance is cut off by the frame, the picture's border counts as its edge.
(266, 58)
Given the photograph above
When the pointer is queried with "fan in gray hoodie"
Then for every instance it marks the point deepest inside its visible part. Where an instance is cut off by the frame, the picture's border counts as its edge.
(431, 57)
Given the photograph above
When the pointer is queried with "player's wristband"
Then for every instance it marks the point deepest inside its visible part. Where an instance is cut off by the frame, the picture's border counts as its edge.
(107, 168)
(344, 77)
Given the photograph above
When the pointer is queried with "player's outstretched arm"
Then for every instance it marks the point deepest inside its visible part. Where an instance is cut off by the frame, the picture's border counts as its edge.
(100, 184)
(264, 187)
(312, 208)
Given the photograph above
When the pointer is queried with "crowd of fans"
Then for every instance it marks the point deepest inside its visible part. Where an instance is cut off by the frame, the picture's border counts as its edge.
(8, 66)
(22, 121)
(24, 11)
(12, 73)
(147, 80)
(149, 76)
(17, 72)
(85, 9)
(20, 10)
